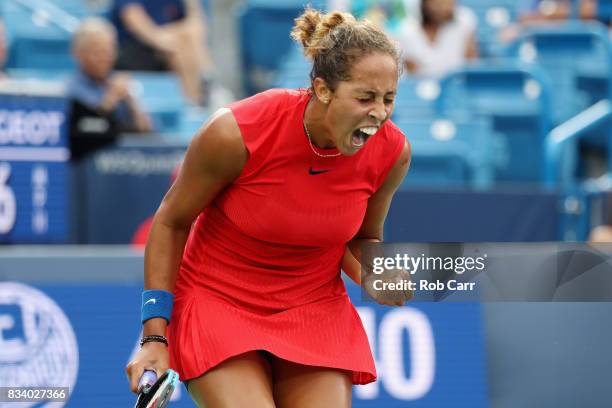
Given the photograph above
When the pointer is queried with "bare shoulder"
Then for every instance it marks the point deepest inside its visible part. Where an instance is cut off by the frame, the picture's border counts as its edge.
(214, 159)
(218, 146)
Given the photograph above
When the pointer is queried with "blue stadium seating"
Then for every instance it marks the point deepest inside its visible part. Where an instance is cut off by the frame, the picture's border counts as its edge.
(161, 96)
(452, 153)
(39, 37)
(192, 119)
(40, 52)
(293, 71)
(515, 98)
(264, 38)
(76, 8)
(492, 17)
(416, 98)
(604, 10)
(264, 27)
(568, 52)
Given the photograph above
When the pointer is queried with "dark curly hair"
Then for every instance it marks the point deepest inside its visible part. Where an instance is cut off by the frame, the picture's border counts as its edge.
(334, 41)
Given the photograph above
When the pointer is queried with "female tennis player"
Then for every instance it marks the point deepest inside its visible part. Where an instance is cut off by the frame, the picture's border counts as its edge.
(277, 193)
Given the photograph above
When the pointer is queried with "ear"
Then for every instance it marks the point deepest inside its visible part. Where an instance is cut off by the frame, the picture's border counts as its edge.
(321, 90)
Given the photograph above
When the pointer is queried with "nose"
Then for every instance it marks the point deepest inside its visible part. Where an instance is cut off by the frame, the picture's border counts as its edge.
(378, 112)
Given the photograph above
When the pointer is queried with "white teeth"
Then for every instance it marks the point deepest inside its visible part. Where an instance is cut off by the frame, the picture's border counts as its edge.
(369, 130)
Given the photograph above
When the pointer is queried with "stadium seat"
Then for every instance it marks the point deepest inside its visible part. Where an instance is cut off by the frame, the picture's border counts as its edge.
(40, 52)
(568, 52)
(264, 27)
(192, 119)
(515, 98)
(604, 10)
(293, 71)
(45, 74)
(264, 38)
(492, 17)
(161, 96)
(39, 37)
(452, 153)
(416, 98)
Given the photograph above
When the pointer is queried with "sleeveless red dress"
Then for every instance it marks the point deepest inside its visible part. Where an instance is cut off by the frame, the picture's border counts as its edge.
(261, 268)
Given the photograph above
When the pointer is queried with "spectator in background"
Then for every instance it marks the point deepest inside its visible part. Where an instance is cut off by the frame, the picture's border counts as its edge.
(102, 105)
(3, 49)
(163, 35)
(441, 40)
(533, 12)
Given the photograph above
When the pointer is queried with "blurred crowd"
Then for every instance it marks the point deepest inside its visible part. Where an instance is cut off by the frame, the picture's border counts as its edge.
(435, 36)
(173, 37)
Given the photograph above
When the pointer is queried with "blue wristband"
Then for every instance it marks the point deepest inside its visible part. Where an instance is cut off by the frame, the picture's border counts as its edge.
(156, 303)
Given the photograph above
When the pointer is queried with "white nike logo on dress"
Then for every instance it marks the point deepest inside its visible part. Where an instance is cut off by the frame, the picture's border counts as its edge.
(149, 301)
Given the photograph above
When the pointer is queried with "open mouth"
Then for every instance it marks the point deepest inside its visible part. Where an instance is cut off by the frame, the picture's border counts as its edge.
(361, 135)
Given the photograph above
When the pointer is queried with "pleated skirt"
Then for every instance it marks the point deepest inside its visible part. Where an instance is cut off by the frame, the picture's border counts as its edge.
(207, 329)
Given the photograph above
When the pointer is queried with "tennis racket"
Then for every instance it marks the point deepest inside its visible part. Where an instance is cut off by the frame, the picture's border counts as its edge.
(154, 392)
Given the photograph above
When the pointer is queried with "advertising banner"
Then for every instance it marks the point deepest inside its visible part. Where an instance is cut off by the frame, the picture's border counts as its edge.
(34, 159)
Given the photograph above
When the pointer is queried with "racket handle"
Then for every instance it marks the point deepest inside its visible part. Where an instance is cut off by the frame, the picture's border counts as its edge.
(147, 380)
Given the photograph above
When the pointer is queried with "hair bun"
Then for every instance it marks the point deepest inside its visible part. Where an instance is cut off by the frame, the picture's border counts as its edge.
(305, 27)
(332, 20)
(336, 41)
(312, 28)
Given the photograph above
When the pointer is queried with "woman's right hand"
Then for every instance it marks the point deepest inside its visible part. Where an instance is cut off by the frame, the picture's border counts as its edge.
(388, 297)
(152, 356)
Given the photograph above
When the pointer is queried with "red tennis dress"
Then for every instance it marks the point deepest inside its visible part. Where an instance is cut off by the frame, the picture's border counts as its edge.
(261, 268)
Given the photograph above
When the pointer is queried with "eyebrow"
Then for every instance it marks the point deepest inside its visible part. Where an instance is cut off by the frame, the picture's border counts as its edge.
(369, 91)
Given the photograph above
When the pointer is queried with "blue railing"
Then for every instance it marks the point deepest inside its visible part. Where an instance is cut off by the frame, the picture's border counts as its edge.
(560, 156)
(51, 13)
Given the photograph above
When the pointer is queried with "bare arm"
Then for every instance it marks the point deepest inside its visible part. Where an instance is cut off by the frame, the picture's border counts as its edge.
(193, 9)
(378, 206)
(214, 159)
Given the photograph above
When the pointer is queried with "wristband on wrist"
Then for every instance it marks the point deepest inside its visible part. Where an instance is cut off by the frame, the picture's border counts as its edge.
(156, 303)
(153, 338)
